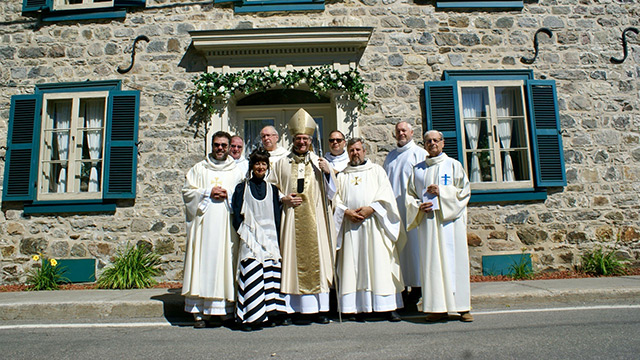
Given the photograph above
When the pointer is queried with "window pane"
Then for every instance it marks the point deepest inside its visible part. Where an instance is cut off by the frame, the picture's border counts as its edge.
(474, 112)
(89, 158)
(519, 161)
(474, 102)
(252, 132)
(485, 168)
(56, 145)
(508, 101)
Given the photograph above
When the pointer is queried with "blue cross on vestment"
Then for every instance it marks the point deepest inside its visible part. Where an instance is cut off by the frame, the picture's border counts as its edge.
(445, 177)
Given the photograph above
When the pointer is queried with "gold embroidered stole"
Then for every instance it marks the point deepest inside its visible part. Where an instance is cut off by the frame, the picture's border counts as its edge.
(306, 228)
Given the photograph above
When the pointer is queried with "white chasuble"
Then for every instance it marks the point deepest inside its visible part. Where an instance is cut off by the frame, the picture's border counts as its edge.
(368, 269)
(398, 165)
(444, 256)
(209, 266)
(307, 233)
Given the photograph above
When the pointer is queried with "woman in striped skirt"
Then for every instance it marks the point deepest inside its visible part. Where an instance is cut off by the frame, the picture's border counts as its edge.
(256, 217)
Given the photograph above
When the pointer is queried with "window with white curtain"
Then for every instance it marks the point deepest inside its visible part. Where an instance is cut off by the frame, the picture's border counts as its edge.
(72, 146)
(496, 135)
(81, 4)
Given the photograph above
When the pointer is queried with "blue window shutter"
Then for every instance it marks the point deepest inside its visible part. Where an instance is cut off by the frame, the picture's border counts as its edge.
(121, 151)
(35, 5)
(442, 112)
(546, 140)
(23, 140)
(129, 3)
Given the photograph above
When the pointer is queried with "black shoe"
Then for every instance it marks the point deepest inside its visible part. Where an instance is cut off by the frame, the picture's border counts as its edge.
(361, 317)
(199, 324)
(321, 319)
(301, 319)
(393, 316)
(286, 321)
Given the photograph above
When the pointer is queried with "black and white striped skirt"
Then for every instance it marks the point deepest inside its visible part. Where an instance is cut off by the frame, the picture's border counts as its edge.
(259, 296)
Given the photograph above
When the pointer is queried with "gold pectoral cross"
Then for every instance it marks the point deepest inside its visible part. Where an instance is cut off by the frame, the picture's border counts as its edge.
(356, 181)
(216, 181)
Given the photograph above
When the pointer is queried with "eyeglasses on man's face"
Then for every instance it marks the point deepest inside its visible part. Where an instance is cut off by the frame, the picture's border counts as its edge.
(268, 135)
(336, 140)
(428, 141)
(222, 145)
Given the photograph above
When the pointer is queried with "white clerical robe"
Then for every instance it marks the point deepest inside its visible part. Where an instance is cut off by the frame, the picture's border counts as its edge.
(243, 166)
(398, 165)
(277, 154)
(444, 255)
(307, 270)
(209, 266)
(338, 162)
(369, 272)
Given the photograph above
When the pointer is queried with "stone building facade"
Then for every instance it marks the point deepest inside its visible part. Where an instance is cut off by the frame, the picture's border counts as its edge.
(410, 43)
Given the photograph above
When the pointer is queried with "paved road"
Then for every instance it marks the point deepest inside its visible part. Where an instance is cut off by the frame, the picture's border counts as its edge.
(602, 331)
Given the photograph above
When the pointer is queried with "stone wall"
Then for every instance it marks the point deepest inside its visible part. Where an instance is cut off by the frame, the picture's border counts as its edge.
(412, 43)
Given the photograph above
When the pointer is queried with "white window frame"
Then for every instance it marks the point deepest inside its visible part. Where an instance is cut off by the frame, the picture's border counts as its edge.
(492, 118)
(74, 159)
(86, 4)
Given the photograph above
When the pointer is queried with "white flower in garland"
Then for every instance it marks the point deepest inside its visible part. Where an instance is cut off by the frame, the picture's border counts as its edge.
(318, 79)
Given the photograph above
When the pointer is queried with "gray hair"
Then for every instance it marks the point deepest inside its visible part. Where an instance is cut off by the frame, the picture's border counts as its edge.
(270, 127)
(354, 140)
(433, 132)
(406, 122)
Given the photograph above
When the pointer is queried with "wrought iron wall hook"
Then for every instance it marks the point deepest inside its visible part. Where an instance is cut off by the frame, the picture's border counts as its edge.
(624, 45)
(133, 54)
(3, 157)
(535, 45)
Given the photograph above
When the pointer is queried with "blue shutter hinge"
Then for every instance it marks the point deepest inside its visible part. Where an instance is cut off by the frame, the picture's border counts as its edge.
(624, 45)
(535, 45)
(133, 54)
(3, 157)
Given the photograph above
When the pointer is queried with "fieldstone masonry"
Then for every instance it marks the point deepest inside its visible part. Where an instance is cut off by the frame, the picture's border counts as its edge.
(412, 43)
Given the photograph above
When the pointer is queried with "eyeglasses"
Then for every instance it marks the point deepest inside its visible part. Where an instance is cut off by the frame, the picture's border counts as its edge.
(336, 140)
(432, 141)
(236, 146)
(267, 135)
(222, 145)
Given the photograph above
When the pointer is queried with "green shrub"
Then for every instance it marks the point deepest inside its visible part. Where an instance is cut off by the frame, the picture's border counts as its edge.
(133, 268)
(600, 262)
(521, 270)
(48, 276)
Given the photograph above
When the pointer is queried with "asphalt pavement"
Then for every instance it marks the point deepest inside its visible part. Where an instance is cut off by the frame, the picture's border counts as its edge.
(167, 304)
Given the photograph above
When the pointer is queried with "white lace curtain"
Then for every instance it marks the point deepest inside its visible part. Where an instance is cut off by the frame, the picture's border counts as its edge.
(505, 101)
(473, 107)
(93, 118)
(61, 122)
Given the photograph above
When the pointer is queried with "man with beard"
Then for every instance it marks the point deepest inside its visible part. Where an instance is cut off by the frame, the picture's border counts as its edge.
(237, 145)
(336, 156)
(308, 183)
(209, 266)
(398, 165)
(368, 225)
(437, 197)
(269, 137)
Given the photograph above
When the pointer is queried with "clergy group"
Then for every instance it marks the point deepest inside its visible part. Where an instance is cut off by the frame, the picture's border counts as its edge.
(270, 237)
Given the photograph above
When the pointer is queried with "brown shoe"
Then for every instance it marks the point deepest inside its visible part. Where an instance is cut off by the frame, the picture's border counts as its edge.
(436, 317)
(466, 317)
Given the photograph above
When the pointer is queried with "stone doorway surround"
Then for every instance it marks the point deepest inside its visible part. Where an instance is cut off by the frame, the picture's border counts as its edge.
(228, 51)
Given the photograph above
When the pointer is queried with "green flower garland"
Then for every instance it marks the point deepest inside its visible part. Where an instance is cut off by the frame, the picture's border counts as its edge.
(211, 88)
